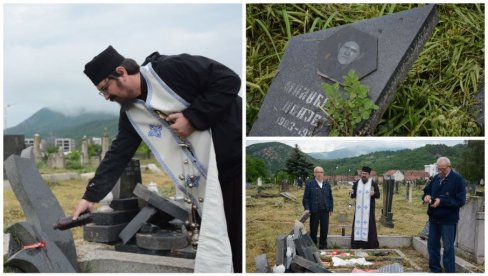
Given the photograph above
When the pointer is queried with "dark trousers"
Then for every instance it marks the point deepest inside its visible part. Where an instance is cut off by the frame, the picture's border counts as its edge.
(320, 217)
(446, 232)
(232, 196)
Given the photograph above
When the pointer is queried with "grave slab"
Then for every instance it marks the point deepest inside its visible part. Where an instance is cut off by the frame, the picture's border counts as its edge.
(102, 233)
(39, 203)
(170, 207)
(292, 104)
(115, 217)
(262, 264)
(124, 204)
(309, 265)
(136, 223)
(162, 240)
(186, 253)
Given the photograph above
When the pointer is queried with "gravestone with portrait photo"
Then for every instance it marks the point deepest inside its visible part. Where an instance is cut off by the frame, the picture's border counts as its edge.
(381, 51)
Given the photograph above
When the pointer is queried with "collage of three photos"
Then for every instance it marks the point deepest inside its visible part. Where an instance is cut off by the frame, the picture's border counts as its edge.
(243, 138)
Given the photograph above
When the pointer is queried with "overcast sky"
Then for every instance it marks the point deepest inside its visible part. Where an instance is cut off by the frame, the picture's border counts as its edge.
(47, 45)
(331, 144)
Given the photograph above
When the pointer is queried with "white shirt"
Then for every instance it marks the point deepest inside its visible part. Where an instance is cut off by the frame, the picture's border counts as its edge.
(319, 182)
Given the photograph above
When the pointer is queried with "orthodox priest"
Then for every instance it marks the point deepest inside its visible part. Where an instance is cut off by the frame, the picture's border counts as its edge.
(183, 107)
(365, 191)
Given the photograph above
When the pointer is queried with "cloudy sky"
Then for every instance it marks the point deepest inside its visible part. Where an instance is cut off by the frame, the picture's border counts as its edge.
(331, 144)
(47, 45)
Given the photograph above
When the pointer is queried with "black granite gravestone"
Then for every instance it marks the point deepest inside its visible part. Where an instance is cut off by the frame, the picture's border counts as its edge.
(135, 224)
(386, 214)
(102, 233)
(128, 180)
(170, 207)
(39, 203)
(292, 104)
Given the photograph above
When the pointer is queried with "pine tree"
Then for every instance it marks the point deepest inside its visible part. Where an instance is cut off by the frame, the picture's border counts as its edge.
(298, 165)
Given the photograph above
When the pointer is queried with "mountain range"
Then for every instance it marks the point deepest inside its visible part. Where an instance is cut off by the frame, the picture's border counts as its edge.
(47, 122)
(275, 155)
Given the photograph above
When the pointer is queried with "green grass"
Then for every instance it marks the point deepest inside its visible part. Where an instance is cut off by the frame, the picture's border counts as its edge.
(437, 98)
(68, 193)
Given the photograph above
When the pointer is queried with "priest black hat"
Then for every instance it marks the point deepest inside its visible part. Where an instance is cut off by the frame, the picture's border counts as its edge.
(366, 169)
(102, 65)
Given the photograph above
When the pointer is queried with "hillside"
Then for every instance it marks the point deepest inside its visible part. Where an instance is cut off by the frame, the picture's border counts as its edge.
(47, 122)
(406, 159)
(274, 154)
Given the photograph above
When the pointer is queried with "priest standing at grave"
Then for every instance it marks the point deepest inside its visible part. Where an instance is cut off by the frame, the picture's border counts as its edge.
(318, 201)
(185, 96)
(445, 194)
(366, 191)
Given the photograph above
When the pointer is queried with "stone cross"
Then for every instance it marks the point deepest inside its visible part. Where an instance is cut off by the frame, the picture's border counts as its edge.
(105, 143)
(37, 148)
(84, 158)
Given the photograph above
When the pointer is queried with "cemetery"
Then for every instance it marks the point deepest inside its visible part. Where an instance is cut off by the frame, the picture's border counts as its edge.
(277, 233)
(298, 50)
(141, 226)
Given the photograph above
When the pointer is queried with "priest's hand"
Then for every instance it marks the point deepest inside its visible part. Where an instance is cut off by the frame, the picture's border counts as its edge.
(306, 212)
(372, 192)
(427, 198)
(180, 124)
(83, 205)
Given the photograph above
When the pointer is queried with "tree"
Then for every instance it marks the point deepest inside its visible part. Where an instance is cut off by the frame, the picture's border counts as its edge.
(473, 161)
(297, 164)
(255, 168)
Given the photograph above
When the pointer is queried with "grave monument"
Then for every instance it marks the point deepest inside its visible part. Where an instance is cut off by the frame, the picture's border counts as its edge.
(380, 50)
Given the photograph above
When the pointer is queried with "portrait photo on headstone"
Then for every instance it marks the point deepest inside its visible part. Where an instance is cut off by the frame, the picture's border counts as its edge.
(353, 205)
(365, 69)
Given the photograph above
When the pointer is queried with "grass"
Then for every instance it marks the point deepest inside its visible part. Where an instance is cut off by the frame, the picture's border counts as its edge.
(68, 193)
(437, 98)
(266, 218)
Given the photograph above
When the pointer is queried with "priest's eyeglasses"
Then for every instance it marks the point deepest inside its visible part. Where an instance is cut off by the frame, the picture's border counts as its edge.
(104, 88)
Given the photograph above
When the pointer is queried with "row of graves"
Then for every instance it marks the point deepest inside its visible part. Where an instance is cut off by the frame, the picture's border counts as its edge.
(137, 220)
(297, 253)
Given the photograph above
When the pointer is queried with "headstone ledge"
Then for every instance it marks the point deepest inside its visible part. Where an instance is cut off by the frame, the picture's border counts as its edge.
(292, 106)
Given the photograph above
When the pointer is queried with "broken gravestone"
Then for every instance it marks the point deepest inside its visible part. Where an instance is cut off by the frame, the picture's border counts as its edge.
(380, 50)
(41, 210)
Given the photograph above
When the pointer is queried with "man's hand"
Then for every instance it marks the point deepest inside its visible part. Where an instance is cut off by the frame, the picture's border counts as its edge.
(83, 205)
(427, 198)
(306, 212)
(372, 192)
(180, 124)
(436, 203)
